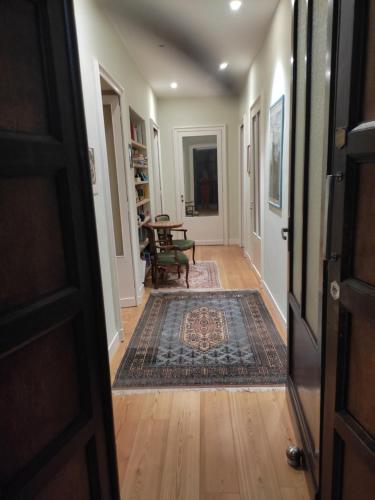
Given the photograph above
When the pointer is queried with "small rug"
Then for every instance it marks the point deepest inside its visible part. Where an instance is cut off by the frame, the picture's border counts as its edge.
(200, 339)
(204, 274)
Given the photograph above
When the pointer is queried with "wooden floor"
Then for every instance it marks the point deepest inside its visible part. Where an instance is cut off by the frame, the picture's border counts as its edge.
(188, 445)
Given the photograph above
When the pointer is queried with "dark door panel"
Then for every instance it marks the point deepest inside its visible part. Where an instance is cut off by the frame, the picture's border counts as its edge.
(56, 428)
(349, 416)
(309, 154)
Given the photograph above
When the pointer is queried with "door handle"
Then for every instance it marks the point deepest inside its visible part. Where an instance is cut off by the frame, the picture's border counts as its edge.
(182, 198)
(284, 232)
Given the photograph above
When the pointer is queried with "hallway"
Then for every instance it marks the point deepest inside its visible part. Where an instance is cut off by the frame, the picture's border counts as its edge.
(216, 445)
(135, 137)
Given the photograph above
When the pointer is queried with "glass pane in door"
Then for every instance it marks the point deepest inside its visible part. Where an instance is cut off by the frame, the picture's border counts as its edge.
(201, 191)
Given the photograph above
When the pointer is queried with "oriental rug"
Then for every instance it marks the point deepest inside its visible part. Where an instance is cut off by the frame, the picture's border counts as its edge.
(203, 274)
(202, 339)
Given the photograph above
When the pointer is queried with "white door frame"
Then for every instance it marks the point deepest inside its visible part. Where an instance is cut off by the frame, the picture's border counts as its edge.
(101, 72)
(256, 241)
(241, 179)
(157, 172)
(208, 130)
(124, 262)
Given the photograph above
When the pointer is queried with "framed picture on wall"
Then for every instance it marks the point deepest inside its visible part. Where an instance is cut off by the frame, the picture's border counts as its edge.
(276, 153)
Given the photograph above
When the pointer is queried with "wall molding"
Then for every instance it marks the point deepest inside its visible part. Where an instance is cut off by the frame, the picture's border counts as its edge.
(235, 242)
(253, 268)
(128, 302)
(115, 342)
(276, 306)
(209, 242)
(140, 294)
(266, 292)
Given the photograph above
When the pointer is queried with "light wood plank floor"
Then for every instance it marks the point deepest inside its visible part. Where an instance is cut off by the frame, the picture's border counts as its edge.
(184, 445)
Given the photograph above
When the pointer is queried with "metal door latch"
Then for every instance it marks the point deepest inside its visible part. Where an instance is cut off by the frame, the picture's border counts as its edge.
(340, 137)
(284, 232)
(335, 290)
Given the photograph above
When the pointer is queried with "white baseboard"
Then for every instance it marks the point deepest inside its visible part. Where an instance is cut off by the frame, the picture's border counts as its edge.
(112, 348)
(234, 241)
(141, 289)
(274, 302)
(128, 302)
(253, 268)
(209, 242)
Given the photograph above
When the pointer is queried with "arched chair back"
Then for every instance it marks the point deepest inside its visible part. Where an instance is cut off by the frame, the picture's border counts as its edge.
(164, 235)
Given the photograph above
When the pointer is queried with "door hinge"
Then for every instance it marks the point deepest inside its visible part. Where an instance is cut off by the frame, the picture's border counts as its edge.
(338, 176)
(340, 137)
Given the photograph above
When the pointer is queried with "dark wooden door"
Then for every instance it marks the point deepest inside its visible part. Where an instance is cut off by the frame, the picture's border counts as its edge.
(309, 158)
(56, 427)
(349, 417)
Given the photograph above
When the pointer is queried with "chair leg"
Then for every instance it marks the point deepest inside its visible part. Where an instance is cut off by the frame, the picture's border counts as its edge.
(194, 253)
(153, 273)
(156, 284)
(187, 275)
(179, 271)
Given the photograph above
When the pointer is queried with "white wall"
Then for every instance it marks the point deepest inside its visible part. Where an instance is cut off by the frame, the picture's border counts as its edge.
(270, 78)
(176, 112)
(98, 40)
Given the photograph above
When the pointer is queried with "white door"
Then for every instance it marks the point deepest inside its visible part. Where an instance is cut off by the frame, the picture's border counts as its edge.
(158, 182)
(242, 177)
(255, 188)
(201, 183)
(119, 199)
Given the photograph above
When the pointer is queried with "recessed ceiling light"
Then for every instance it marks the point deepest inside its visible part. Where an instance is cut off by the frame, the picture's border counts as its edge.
(235, 4)
(223, 65)
(174, 85)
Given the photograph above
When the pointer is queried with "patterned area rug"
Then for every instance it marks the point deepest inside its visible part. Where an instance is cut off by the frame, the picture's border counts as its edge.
(204, 274)
(200, 339)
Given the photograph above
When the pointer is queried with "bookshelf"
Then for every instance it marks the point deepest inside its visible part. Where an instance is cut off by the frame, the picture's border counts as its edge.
(140, 170)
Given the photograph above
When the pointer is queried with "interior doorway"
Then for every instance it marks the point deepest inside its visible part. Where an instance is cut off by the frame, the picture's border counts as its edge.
(255, 188)
(242, 177)
(118, 202)
(201, 186)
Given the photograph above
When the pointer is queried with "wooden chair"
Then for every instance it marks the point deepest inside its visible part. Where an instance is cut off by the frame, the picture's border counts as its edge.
(164, 256)
(164, 235)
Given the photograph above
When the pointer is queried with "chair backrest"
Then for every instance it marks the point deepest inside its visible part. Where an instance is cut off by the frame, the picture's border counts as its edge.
(162, 217)
(164, 235)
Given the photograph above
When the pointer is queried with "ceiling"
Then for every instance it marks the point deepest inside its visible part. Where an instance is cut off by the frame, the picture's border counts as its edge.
(186, 40)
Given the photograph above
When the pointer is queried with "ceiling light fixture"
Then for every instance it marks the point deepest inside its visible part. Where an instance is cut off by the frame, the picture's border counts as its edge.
(223, 65)
(235, 4)
(174, 85)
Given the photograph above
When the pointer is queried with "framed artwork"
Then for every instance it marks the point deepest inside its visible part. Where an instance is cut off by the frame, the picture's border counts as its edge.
(276, 153)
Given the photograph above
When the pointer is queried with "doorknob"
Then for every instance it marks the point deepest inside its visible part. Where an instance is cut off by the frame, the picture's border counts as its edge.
(284, 232)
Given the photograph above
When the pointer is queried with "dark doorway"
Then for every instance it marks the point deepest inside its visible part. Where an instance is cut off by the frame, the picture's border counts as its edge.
(205, 180)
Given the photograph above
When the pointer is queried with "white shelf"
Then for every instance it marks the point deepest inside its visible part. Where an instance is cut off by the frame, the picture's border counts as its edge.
(141, 182)
(138, 145)
(143, 202)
